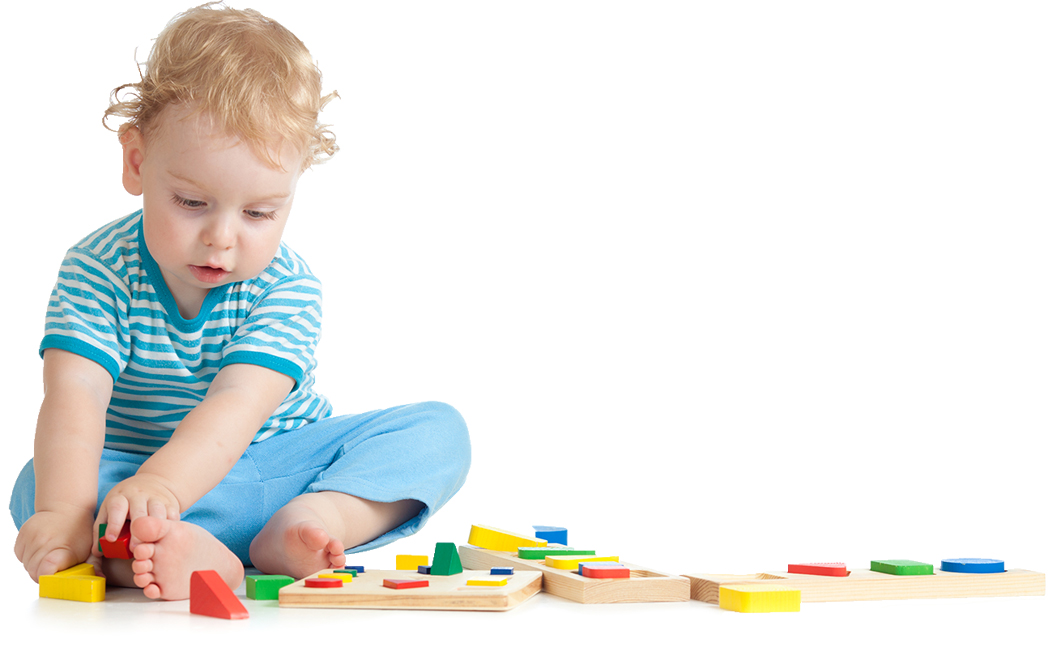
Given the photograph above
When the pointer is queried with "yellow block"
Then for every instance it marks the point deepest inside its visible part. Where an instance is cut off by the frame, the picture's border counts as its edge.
(83, 569)
(79, 588)
(487, 582)
(572, 562)
(500, 540)
(756, 598)
(405, 562)
(344, 578)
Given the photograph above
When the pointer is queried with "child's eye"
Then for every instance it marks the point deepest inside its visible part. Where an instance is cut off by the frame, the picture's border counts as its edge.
(258, 214)
(188, 203)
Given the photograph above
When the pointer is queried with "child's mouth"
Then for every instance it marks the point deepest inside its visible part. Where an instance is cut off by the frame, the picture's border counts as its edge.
(207, 274)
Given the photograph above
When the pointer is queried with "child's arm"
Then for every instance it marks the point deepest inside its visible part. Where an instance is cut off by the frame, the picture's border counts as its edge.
(204, 447)
(70, 434)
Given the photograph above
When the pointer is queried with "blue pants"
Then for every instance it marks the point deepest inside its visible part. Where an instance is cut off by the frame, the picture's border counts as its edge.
(418, 452)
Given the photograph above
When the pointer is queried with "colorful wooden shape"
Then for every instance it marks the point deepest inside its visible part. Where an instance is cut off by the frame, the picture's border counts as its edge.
(542, 552)
(210, 596)
(604, 563)
(973, 565)
(901, 567)
(822, 569)
(121, 548)
(446, 560)
(359, 569)
(572, 562)
(78, 583)
(323, 583)
(500, 540)
(406, 562)
(425, 569)
(502, 571)
(266, 586)
(603, 572)
(496, 581)
(552, 534)
(760, 598)
(350, 572)
(404, 584)
(344, 578)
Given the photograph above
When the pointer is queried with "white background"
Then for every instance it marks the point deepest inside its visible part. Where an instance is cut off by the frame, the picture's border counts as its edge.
(717, 286)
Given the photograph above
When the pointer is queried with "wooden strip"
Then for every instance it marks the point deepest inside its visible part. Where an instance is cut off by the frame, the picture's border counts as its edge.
(644, 585)
(444, 592)
(862, 585)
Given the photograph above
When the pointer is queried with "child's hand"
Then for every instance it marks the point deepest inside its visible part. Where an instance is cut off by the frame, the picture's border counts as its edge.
(50, 542)
(143, 494)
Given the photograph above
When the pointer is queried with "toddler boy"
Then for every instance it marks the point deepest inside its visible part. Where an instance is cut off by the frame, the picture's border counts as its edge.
(179, 342)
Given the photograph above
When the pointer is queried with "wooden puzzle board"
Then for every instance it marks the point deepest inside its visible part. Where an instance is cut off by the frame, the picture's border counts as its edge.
(862, 585)
(644, 585)
(444, 592)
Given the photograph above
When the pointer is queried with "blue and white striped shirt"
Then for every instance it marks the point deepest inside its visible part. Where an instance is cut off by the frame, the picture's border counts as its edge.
(111, 305)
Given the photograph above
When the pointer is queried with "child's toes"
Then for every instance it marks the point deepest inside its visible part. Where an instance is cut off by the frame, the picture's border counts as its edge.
(142, 566)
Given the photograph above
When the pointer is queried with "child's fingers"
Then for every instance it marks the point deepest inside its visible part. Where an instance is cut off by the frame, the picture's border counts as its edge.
(157, 508)
(116, 510)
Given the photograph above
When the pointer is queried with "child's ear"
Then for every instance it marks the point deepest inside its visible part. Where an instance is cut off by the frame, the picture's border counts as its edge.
(134, 152)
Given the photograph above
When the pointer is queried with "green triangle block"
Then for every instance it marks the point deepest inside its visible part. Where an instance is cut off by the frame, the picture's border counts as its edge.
(445, 560)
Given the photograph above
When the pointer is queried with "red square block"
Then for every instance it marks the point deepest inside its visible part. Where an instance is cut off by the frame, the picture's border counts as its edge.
(323, 583)
(402, 584)
(821, 569)
(605, 572)
(121, 548)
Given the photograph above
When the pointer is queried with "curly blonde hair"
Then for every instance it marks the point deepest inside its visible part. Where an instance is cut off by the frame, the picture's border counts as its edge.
(248, 72)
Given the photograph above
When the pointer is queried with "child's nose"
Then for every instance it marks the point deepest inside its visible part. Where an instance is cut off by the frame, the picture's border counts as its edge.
(220, 233)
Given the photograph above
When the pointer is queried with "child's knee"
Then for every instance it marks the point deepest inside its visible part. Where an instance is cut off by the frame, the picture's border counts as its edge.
(447, 425)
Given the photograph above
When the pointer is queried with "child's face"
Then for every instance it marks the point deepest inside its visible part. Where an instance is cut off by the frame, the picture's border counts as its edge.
(213, 211)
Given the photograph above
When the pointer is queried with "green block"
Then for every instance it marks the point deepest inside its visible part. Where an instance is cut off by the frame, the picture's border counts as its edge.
(101, 534)
(351, 572)
(901, 567)
(445, 560)
(267, 586)
(540, 552)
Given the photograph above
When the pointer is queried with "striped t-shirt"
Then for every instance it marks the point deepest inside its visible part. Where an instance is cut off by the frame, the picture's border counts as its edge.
(111, 305)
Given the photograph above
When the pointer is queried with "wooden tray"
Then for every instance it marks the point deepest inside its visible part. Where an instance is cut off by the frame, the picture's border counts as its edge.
(644, 585)
(862, 585)
(444, 592)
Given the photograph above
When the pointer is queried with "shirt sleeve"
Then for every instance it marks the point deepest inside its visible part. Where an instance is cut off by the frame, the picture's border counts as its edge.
(87, 313)
(282, 330)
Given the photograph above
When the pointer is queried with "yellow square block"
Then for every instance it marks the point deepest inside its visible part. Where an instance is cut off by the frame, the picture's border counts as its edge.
(406, 562)
(757, 598)
(572, 562)
(487, 582)
(344, 578)
(79, 588)
(500, 540)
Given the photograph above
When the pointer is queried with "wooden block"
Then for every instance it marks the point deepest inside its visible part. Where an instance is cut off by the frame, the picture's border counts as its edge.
(973, 565)
(863, 585)
(443, 592)
(552, 534)
(542, 552)
(317, 582)
(755, 598)
(266, 586)
(404, 584)
(121, 548)
(425, 569)
(604, 571)
(350, 572)
(344, 578)
(407, 562)
(901, 567)
(502, 570)
(83, 569)
(497, 581)
(359, 569)
(644, 585)
(75, 587)
(500, 540)
(445, 560)
(572, 562)
(210, 596)
(822, 569)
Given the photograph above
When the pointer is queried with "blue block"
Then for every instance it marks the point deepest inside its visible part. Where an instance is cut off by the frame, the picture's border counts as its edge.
(424, 569)
(502, 570)
(973, 565)
(359, 568)
(552, 534)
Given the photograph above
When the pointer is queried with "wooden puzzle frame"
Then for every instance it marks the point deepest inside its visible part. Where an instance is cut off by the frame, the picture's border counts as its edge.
(644, 585)
(444, 592)
(864, 585)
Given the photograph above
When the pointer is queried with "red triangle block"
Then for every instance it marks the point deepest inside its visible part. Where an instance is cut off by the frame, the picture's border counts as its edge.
(210, 596)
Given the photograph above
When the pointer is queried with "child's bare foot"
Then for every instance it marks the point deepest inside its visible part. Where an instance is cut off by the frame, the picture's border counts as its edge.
(168, 552)
(296, 541)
